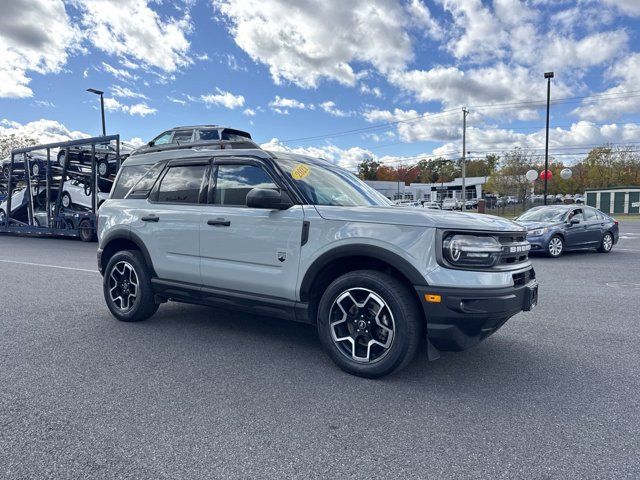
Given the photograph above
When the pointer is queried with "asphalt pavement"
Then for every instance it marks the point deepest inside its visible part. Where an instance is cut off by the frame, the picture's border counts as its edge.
(202, 393)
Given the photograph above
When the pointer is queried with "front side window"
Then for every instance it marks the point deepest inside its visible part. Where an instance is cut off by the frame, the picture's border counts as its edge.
(544, 214)
(324, 185)
(181, 184)
(182, 136)
(234, 182)
(162, 138)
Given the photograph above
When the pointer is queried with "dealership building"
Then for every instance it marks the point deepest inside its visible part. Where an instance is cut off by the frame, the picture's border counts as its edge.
(433, 192)
(614, 199)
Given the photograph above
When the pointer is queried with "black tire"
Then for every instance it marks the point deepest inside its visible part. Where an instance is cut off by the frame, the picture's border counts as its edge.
(555, 247)
(5, 171)
(86, 231)
(66, 198)
(606, 244)
(62, 158)
(103, 168)
(405, 320)
(35, 169)
(3, 217)
(143, 305)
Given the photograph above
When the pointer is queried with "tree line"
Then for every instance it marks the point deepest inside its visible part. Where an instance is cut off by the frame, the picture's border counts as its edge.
(605, 166)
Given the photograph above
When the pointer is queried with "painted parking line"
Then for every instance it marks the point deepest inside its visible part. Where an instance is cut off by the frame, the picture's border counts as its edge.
(31, 264)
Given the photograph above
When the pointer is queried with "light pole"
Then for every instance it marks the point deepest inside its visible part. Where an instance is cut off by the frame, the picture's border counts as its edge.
(101, 93)
(465, 112)
(548, 76)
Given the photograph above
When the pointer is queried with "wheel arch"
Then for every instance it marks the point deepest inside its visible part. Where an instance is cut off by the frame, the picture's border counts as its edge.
(119, 241)
(344, 259)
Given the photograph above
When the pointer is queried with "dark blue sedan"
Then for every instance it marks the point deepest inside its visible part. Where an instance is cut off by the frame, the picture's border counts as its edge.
(554, 229)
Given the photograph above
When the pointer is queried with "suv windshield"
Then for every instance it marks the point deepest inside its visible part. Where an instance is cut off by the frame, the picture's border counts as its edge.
(544, 214)
(323, 185)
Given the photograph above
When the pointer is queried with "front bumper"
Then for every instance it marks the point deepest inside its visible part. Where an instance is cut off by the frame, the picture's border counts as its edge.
(466, 316)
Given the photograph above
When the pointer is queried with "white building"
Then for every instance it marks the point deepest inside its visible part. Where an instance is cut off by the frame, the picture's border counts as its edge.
(434, 192)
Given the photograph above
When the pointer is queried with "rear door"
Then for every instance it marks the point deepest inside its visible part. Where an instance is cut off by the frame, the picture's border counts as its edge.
(594, 227)
(246, 249)
(169, 221)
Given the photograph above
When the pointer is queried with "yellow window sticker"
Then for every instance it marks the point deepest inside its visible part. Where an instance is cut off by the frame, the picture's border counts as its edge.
(300, 171)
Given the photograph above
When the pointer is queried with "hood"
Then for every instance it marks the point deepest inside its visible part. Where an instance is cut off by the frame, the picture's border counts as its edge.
(418, 217)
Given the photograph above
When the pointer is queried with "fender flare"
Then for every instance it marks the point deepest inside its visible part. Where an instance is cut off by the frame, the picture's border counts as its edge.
(359, 250)
(130, 237)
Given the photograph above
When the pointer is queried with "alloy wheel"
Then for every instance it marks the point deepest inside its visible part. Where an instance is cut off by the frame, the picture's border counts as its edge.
(362, 325)
(102, 169)
(607, 242)
(555, 246)
(123, 286)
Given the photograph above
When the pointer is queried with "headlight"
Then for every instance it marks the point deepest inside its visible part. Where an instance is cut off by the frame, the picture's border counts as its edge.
(537, 232)
(471, 250)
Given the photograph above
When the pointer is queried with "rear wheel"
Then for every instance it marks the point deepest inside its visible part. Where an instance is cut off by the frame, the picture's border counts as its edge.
(606, 244)
(369, 323)
(555, 247)
(85, 231)
(3, 217)
(127, 287)
(5, 171)
(103, 168)
(62, 159)
(66, 200)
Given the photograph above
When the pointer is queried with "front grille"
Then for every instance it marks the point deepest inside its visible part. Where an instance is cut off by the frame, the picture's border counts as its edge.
(515, 249)
(522, 278)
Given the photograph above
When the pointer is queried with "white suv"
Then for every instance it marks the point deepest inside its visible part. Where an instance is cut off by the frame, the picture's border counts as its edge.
(285, 235)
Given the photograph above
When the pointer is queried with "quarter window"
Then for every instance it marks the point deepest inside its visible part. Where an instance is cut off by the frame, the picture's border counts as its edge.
(209, 134)
(181, 184)
(234, 182)
(589, 214)
(128, 177)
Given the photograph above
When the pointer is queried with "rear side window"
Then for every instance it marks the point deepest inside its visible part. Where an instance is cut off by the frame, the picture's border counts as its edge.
(209, 134)
(589, 214)
(128, 177)
(234, 182)
(235, 135)
(181, 184)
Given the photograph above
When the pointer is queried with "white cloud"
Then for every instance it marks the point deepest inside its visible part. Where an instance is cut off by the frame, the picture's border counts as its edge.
(132, 30)
(412, 126)
(615, 101)
(332, 109)
(280, 102)
(421, 17)
(304, 42)
(44, 104)
(630, 7)
(140, 109)
(43, 130)
(119, 73)
(375, 91)
(177, 100)
(124, 92)
(249, 112)
(35, 36)
(225, 99)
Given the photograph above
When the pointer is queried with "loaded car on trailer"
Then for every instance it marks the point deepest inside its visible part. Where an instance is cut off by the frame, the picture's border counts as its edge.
(296, 237)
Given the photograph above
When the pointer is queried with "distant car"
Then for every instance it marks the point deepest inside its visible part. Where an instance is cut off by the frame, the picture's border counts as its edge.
(75, 193)
(20, 202)
(37, 163)
(432, 205)
(451, 203)
(106, 157)
(471, 204)
(578, 199)
(198, 136)
(554, 229)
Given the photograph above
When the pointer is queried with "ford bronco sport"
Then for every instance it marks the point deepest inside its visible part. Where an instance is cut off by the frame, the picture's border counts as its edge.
(286, 235)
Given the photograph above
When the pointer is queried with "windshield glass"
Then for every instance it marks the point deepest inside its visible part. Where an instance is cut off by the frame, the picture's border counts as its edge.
(544, 214)
(323, 185)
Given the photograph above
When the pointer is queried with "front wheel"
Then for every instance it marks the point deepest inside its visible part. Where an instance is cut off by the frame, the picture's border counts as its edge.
(369, 323)
(103, 168)
(85, 230)
(555, 247)
(606, 244)
(127, 287)
(66, 200)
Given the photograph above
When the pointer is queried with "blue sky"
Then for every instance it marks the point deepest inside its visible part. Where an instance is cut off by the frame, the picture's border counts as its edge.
(397, 72)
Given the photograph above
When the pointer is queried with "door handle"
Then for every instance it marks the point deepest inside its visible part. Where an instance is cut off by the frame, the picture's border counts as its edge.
(219, 222)
(150, 218)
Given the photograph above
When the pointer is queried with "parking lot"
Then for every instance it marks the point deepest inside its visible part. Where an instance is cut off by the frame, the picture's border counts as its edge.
(200, 393)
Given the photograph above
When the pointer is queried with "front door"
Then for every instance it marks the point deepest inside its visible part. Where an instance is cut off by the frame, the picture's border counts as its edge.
(251, 250)
(576, 234)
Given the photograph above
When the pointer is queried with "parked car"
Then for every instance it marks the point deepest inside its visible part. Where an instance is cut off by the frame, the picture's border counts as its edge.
(512, 200)
(471, 204)
(451, 203)
(20, 202)
(287, 235)
(37, 162)
(578, 199)
(198, 136)
(105, 154)
(559, 228)
(76, 193)
(432, 205)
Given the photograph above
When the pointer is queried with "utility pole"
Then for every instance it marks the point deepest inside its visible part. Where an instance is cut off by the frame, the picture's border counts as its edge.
(465, 112)
(548, 76)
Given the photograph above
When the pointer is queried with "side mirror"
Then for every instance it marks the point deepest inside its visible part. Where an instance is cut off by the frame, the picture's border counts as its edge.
(574, 221)
(269, 199)
(151, 143)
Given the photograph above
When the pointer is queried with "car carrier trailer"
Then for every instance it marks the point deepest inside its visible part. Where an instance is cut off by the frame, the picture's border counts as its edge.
(44, 188)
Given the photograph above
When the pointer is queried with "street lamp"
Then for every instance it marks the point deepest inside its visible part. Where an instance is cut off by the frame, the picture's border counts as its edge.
(101, 93)
(548, 76)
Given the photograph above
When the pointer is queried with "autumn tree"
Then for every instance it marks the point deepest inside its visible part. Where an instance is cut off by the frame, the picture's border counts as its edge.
(13, 141)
